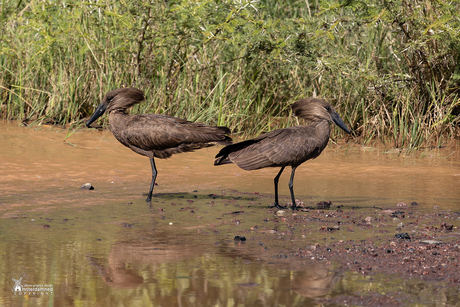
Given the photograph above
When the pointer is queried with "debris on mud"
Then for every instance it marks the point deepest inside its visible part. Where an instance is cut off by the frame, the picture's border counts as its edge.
(239, 239)
(87, 186)
(428, 248)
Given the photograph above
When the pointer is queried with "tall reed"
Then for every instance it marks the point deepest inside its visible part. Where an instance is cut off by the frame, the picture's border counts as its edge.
(391, 68)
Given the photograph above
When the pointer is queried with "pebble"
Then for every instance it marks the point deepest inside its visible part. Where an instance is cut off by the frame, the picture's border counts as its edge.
(430, 242)
(87, 186)
(404, 236)
(280, 212)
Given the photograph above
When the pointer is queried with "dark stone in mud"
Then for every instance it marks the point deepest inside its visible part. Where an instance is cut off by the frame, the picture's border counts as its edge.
(329, 228)
(445, 226)
(403, 236)
(324, 204)
(414, 203)
(239, 238)
(46, 226)
(396, 213)
(87, 186)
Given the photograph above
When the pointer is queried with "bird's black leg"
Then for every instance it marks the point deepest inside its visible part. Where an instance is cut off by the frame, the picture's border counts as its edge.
(277, 178)
(291, 188)
(154, 177)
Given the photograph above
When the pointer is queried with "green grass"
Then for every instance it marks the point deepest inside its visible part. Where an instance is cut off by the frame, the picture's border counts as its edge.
(241, 64)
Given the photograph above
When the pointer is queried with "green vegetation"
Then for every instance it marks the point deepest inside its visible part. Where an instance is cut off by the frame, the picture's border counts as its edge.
(390, 67)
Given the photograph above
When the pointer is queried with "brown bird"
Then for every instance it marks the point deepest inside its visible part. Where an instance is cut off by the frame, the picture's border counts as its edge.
(154, 135)
(289, 146)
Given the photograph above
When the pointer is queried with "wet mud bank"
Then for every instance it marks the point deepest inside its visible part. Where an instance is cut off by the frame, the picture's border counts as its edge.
(378, 245)
(407, 243)
(374, 228)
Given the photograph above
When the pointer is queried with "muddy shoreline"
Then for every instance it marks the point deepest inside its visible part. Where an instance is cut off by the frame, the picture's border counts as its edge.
(423, 246)
(339, 249)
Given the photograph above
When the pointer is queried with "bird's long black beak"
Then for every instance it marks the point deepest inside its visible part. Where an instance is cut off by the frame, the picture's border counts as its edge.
(339, 122)
(99, 111)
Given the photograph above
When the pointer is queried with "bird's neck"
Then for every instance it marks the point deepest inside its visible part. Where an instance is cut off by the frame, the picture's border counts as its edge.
(117, 121)
(323, 131)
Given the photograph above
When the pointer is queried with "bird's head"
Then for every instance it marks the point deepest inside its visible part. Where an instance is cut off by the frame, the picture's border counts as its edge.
(315, 109)
(117, 100)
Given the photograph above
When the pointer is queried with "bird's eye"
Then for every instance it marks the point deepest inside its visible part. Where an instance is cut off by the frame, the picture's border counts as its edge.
(109, 98)
(328, 108)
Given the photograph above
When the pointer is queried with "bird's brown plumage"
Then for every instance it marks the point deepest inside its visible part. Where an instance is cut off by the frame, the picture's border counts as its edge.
(154, 135)
(289, 146)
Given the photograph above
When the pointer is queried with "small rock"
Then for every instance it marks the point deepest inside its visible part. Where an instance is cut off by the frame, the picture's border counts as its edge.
(329, 228)
(431, 242)
(87, 186)
(324, 204)
(446, 226)
(299, 203)
(414, 203)
(239, 238)
(401, 204)
(280, 212)
(404, 236)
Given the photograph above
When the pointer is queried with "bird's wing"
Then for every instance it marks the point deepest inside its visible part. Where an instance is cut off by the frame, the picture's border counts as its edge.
(157, 132)
(277, 148)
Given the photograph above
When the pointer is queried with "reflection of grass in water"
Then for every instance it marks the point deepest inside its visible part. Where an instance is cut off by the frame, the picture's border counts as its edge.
(194, 260)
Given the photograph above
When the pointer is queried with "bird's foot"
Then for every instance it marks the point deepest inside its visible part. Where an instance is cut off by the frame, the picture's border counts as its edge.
(278, 206)
(297, 205)
(149, 197)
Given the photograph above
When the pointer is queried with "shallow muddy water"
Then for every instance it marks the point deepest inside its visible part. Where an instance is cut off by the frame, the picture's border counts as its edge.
(108, 247)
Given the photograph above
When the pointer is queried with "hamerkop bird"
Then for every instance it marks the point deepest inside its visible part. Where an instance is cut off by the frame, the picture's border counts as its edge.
(154, 135)
(289, 146)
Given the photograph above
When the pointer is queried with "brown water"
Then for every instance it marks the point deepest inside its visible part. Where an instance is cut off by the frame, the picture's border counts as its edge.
(107, 247)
